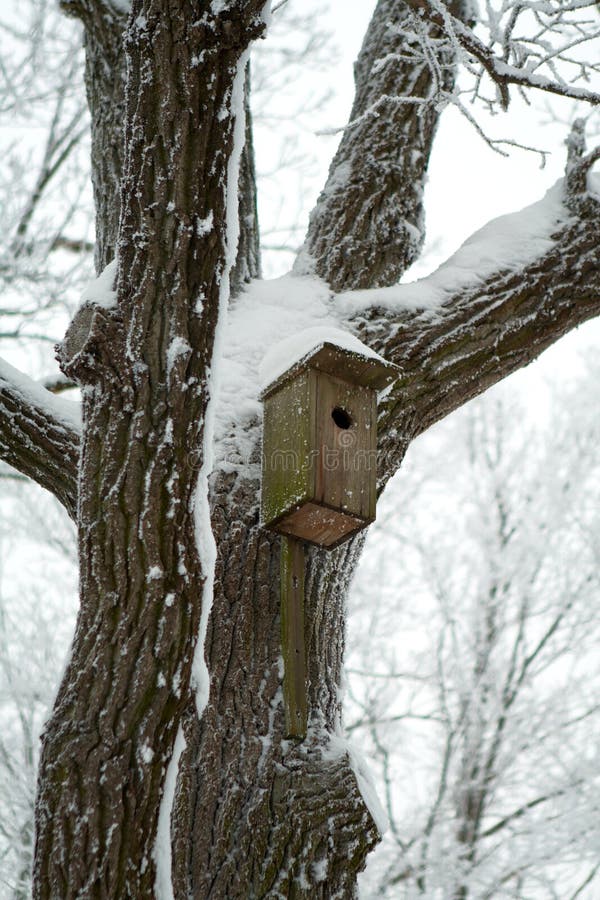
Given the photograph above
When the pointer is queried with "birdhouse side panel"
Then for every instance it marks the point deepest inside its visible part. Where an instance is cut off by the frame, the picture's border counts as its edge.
(346, 434)
(288, 437)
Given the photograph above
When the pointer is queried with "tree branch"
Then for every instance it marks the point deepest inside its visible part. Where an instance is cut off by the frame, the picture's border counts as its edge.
(39, 435)
(104, 24)
(520, 812)
(368, 225)
(499, 70)
(455, 343)
(247, 264)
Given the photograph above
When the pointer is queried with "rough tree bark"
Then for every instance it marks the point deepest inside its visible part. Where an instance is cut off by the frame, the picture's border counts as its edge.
(253, 815)
(143, 367)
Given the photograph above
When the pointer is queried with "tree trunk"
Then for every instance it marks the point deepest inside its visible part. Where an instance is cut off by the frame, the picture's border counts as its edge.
(258, 815)
(143, 366)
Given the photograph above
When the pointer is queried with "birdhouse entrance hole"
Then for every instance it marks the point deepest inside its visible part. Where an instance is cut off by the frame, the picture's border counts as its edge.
(341, 418)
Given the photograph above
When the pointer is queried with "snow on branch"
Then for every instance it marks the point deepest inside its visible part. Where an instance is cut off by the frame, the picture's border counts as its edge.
(459, 339)
(39, 434)
(531, 44)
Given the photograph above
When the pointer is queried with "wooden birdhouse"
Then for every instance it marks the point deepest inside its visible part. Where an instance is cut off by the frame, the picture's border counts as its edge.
(320, 444)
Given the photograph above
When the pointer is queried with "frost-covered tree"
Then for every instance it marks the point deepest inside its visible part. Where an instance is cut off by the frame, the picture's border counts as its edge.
(164, 769)
(44, 183)
(473, 675)
(36, 612)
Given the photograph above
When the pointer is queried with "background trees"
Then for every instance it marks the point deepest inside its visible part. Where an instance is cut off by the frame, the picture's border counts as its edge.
(481, 710)
(136, 738)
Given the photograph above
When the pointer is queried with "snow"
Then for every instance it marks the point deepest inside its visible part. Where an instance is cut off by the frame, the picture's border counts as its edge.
(296, 347)
(273, 323)
(266, 313)
(65, 411)
(147, 754)
(163, 886)
(178, 347)
(508, 243)
(339, 746)
(267, 13)
(101, 291)
(204, 226)
(319, 869)
(205, 541)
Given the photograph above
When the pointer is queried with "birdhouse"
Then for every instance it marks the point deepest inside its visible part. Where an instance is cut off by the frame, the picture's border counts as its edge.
(320, 444)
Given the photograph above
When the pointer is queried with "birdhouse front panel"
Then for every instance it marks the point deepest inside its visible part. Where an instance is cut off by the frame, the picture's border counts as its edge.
(319, 458)
(346, 438)
(319, 445)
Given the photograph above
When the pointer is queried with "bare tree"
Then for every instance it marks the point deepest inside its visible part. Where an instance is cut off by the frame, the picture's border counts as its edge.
(44, 194)
(157, 778)
(36, 611)
(482, 710)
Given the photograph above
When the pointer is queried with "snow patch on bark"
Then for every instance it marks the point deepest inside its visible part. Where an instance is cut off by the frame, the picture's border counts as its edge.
(178, 347)
(319, 869)
(207, 548)
(163, 886)
(339, 746)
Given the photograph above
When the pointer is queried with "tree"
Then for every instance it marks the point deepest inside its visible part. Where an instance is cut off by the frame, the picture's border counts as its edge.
(482, 714)
(44, 249)
(36, 614)
(164, 769)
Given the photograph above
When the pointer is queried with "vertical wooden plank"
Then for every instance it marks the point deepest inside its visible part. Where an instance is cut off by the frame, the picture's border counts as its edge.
(292, 637)
(347, 456)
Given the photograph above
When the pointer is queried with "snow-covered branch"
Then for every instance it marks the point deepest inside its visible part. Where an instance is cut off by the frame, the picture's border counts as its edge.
(39, 435)
(513, 289)
(368, 226)
(553, 32)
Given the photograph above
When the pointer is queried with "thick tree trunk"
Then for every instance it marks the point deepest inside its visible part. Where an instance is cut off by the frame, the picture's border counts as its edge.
(257, 815)
(143, 366)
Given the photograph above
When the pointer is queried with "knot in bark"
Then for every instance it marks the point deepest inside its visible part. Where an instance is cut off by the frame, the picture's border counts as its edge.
(88, 348)
(234, 31)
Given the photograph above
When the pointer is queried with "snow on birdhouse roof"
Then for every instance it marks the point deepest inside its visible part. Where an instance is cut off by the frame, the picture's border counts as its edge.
(330, 350)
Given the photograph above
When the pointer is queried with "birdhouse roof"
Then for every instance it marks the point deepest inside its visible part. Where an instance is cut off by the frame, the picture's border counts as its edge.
(331, 351)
